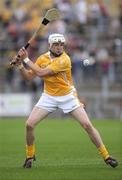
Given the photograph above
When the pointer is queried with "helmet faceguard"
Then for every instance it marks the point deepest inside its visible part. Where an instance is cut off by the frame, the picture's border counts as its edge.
(56, 38)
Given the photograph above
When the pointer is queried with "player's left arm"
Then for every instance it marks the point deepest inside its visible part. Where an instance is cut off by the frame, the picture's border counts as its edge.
(39, 71)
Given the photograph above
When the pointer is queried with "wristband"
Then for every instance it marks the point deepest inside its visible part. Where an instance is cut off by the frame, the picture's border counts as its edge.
(26, 60)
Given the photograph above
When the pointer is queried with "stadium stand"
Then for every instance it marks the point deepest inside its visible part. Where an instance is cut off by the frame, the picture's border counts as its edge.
(95, 34)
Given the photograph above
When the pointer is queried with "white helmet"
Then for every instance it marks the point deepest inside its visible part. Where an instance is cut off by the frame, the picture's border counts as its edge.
(55, 38)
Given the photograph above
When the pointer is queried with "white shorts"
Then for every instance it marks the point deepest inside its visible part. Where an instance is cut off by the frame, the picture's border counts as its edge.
(67, 103)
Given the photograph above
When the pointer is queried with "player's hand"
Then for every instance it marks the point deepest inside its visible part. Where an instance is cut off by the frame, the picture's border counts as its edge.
(15, 61)
(22, 54)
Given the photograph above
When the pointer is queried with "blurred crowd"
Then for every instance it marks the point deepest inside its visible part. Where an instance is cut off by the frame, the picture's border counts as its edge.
(91, 33)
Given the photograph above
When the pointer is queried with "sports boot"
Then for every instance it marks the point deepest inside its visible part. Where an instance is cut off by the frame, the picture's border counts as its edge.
(28, 162)
(112, 162)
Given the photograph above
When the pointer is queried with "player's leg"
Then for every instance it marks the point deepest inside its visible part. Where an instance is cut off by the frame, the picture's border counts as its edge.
(35, 117)
(44, 106)
(82, 117)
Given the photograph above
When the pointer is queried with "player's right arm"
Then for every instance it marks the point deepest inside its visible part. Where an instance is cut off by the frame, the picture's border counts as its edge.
(35, 69)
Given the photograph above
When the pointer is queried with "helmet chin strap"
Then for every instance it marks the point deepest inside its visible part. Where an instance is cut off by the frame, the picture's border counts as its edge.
(54, 54)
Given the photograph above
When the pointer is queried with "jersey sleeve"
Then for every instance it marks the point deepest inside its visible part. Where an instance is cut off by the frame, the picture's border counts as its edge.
(38, 61)
(60, 65)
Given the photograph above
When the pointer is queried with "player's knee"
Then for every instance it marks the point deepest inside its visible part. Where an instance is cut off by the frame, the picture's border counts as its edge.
(29, 125)
(87, 126)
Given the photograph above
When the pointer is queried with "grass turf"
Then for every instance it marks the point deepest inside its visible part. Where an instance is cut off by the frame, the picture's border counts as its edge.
(64, 151)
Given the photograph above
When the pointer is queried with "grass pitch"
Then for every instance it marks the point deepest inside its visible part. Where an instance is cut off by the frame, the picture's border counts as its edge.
(64, 151)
